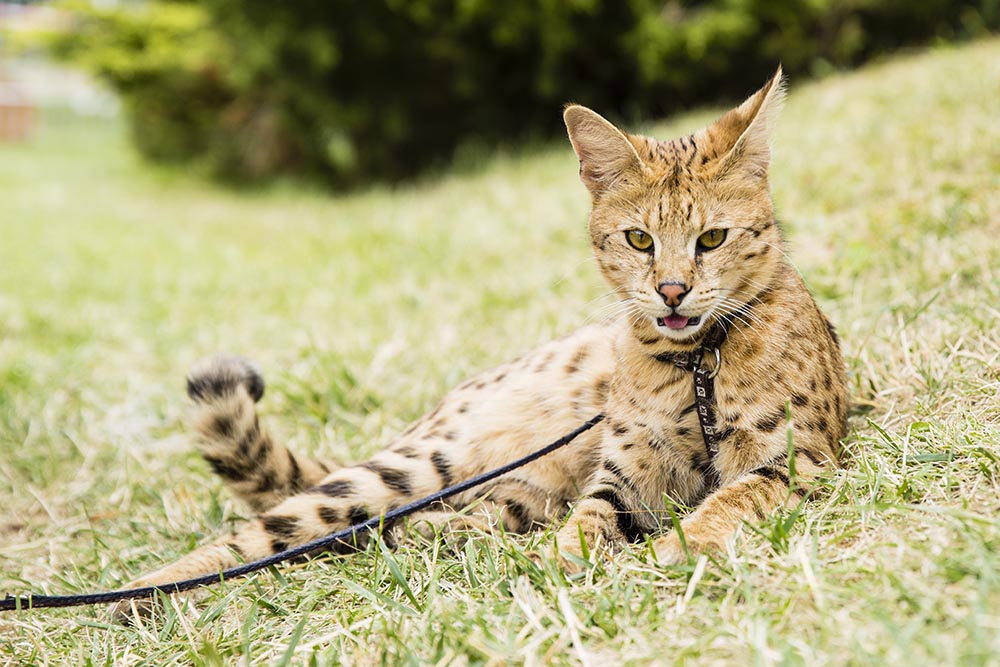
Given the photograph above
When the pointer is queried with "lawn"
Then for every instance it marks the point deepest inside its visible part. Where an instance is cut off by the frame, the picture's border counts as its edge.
(362, 309)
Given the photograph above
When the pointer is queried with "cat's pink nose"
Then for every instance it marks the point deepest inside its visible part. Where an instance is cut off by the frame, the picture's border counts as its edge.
(672, 292)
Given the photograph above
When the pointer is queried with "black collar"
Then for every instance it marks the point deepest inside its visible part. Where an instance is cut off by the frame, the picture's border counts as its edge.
(711, 343)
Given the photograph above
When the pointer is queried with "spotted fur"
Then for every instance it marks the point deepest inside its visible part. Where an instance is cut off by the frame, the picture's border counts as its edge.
(781, 373)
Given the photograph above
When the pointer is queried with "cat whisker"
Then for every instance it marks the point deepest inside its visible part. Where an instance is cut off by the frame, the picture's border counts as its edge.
(636, 318)
(788, 258)
(570, 272)
(614, 296)
(612, 305)
(744, 313)
(606, 308)
(742, 309)
(749, 303)
(612, 311)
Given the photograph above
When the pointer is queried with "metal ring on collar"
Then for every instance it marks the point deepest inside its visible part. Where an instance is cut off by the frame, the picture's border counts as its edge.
(718, 364)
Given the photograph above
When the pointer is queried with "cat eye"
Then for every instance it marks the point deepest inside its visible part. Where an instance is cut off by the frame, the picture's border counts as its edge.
(639, 239)
(711, 239)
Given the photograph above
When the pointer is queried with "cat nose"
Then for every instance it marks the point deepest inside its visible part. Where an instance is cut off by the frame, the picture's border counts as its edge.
(672, 292)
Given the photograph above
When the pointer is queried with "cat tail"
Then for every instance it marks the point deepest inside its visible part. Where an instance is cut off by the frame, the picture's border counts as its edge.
(255, 467)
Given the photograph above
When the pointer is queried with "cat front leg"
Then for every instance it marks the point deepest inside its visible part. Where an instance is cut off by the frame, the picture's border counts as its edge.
(591, 533)
(628, 481)
(748, 497)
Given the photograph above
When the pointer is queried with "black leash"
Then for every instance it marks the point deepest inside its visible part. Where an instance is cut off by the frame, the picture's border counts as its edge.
(31, 601)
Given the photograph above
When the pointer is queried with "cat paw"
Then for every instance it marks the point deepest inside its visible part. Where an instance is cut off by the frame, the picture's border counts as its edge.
(577, 554)
(220, 375)
(127, 612)
(451, 522)
(452, 527)
(670, 550)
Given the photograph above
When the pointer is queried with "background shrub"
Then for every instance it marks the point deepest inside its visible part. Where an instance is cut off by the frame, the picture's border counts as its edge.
(353, 90)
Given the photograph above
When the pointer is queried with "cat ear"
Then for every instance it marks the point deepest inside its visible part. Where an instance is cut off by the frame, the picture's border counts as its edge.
(606, 155)
(743, 136)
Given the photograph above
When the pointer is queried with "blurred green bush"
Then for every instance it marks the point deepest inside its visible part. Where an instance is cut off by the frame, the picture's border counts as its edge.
(350, 90)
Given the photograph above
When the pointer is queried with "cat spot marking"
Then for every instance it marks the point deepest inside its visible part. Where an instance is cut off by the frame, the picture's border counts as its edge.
(226, 470)
(770, 423)
(407, 451)
(357, 515)
(519, 513)
(772, 473)
(223, 425)
(337, 488)
(443, 467)
(294, 471)
(280, 526)
(813, 457)
(623, 515)
(395, 479)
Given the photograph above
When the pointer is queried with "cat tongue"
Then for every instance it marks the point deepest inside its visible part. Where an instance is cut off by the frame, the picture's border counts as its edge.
(674, 321)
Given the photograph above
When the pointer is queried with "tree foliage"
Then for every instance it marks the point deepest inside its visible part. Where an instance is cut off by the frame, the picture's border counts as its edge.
(357, 89)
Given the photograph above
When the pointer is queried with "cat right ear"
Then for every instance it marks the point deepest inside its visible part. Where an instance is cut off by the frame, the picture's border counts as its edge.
(606, 155)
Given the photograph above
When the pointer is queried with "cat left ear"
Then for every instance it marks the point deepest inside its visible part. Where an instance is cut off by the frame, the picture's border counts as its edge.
(605, 153)
(747, 129)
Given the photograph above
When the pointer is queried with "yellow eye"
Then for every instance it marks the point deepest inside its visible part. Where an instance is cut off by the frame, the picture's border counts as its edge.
(712, 239)
(639, 239)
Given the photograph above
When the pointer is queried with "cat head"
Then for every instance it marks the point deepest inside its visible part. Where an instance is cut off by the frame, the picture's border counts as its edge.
(683, 230)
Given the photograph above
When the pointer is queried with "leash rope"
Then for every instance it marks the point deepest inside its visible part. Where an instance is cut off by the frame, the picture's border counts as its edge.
(31, 601)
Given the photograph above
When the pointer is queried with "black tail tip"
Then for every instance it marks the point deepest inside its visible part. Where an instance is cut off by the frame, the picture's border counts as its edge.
(221, 375)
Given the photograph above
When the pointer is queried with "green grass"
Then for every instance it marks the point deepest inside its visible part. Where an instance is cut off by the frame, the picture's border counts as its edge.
(115, 277)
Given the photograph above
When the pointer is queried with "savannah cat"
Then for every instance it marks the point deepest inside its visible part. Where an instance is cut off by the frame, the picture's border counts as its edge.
(684, 232)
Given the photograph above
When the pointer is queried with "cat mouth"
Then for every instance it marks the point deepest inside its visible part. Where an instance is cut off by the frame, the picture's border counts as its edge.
(677, 322)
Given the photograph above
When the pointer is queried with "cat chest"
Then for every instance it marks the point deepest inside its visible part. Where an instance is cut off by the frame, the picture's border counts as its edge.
(654, 422)
(660, 418)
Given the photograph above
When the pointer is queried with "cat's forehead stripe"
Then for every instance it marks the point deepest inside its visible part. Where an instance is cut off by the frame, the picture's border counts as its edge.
(674, 209)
